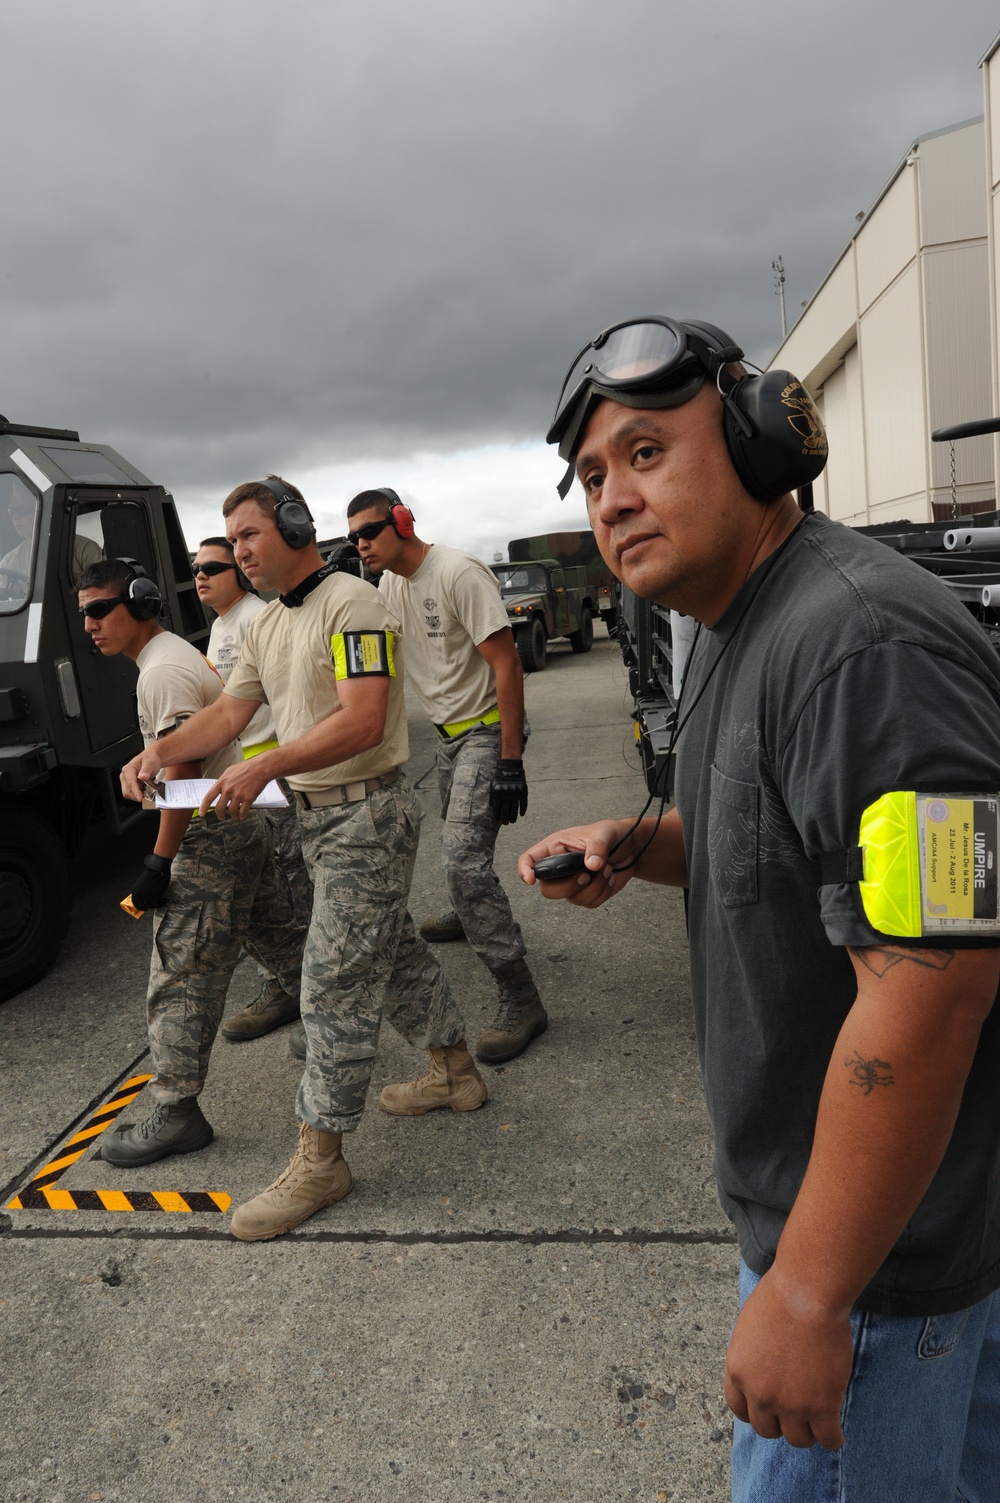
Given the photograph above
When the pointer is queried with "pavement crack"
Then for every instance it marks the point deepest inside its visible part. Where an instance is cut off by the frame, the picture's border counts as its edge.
(559, 1236)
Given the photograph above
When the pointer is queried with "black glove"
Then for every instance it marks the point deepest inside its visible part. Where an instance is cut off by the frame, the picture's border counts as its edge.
(151, 889)
(509, 791)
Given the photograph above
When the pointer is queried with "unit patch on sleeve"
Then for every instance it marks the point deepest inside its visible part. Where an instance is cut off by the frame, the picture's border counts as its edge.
(363, 654)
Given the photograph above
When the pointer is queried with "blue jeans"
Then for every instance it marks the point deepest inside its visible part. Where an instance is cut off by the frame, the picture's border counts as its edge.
(921, 1418)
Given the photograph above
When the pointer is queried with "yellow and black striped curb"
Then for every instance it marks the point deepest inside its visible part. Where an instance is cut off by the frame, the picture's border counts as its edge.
(41, 1193)
(118, 1200)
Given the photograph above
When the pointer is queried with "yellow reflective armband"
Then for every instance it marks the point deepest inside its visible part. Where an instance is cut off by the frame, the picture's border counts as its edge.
(929, 864)
(362, 654)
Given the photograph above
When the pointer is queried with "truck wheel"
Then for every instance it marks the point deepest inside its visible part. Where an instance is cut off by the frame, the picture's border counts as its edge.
(583, 640)
(35, 898)
(531, 647)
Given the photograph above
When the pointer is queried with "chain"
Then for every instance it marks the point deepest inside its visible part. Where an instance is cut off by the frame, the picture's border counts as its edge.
(954, 484)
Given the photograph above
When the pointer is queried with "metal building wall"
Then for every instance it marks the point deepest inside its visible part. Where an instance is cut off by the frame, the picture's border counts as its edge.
(896, 342)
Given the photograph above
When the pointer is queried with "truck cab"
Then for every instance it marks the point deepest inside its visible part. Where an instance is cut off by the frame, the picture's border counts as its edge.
(546, 601)
(67, 716)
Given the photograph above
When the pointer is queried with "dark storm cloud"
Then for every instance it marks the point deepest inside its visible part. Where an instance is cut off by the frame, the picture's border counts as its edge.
(241, 235)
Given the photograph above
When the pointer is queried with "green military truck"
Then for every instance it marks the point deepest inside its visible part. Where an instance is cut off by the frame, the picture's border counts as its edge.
(67, 716)
(553, 587)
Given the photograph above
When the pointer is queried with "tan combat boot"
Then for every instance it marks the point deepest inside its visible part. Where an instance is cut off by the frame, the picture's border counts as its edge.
(452, 1080)
(318, 1176)
(520, 1016)
(271, 1008)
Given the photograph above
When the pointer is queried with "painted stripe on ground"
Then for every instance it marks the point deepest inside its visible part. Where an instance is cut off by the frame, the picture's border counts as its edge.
(48, 1198)
(102, 1119)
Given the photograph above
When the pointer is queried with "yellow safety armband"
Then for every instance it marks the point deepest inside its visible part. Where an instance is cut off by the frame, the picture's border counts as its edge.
(925, 864)
(362, 654)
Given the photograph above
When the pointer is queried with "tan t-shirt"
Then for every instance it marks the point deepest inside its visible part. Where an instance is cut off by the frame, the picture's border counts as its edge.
(447, 608)
(175, 682)
(224, 643)
(294, 657)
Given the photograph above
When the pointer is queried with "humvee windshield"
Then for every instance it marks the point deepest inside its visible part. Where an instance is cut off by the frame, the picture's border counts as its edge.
(524, 577)
(19, 510)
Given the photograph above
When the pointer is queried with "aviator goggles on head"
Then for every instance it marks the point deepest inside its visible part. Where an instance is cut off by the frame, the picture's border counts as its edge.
(214, 566)
(369, 531)
(644, 362)
(98, 609)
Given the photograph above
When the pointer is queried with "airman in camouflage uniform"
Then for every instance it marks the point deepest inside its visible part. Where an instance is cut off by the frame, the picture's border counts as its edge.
(327, 657)
(462, 660)
(214, 887)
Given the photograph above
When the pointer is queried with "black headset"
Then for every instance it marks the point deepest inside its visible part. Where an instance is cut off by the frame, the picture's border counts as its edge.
(292, 517)
(773, 432)
(142, 595)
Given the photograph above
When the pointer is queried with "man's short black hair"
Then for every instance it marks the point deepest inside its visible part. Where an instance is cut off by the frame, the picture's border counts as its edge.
(369, 501)
(111, 574)
(216, 543)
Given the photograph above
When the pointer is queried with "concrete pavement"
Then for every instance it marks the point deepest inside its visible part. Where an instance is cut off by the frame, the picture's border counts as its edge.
(528, 1302)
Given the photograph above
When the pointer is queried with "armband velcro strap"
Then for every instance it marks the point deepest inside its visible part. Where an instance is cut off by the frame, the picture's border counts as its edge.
(362, 654)
(842, 866)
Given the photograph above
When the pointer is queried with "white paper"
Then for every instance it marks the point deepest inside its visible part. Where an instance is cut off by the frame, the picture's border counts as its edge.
(187, 793)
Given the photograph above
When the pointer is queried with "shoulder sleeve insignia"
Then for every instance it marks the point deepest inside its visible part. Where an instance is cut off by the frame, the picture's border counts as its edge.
(363, 654)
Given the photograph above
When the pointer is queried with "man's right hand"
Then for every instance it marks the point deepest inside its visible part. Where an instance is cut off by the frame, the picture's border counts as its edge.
(141, 770)
(600, 881)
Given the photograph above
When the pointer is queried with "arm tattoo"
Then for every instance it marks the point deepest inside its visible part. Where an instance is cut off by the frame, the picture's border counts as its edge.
(868, 1072)
(881, 958)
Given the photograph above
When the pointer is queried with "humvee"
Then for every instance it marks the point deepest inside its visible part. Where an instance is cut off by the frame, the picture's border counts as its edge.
(67, 716)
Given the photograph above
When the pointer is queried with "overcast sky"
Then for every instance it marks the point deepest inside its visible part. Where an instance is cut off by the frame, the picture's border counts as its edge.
(359, 244)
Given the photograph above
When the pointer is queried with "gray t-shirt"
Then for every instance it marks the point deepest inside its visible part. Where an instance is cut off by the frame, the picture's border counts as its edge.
(850, 672)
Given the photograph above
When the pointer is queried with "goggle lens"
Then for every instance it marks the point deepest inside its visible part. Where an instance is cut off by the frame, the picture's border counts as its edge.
(635, 354)
(212, 568)
(98, 609)
(369, 531)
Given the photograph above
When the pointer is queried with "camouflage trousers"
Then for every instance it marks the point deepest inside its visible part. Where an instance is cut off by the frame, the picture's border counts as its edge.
(363, 956)
(465, 769)
(284, 825)
(224, 895)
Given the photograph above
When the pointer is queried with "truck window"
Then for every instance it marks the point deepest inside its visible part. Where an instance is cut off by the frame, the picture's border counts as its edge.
(524, 577)
(19, 509)
(88, 544)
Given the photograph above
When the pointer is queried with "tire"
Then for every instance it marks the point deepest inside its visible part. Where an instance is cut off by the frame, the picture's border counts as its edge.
(531, 647)
(583, 640)
(35, 897)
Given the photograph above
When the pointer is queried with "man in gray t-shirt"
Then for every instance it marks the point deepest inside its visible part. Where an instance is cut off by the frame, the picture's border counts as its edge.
(850, 1073)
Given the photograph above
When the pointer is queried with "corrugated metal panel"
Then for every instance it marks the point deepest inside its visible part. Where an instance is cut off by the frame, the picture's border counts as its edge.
(830, 319)
(953, 187)
(903, 509)
(888, 240)
(991, 87)
(845, 470)
(892, 373)
(959, 382)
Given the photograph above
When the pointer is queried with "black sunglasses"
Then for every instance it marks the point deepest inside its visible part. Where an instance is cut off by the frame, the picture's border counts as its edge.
(369, 531)
(98, 609)
(213, 567)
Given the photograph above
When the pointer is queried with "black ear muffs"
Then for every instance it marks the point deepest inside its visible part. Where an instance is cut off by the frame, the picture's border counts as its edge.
(402, 517)
(774, 434)
(142, 596)
(292, 517)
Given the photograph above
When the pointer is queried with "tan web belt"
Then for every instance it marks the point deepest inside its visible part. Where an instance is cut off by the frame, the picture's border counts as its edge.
(344, 793)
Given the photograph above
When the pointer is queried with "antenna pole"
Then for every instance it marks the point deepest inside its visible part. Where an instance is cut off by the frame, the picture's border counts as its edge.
(778, 268)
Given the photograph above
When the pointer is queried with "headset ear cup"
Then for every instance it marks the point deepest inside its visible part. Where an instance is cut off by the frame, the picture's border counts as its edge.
(774, 434)
(402, 520)
(294, 523)
(144, 599)
(243, 582)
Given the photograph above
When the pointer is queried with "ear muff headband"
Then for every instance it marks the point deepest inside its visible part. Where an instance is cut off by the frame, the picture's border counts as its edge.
(402, 517)
(142, 595)
(292, 517)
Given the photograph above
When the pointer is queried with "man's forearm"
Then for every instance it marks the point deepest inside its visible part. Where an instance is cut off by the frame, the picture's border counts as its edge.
(510, 703)
(888, 1108)
(664, 860)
